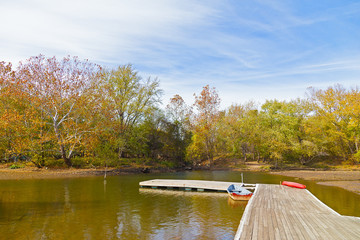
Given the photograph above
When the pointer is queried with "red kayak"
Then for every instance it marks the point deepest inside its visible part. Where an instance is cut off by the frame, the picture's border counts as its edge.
(293, 184)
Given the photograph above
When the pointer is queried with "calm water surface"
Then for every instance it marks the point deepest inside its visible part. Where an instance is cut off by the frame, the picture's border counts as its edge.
(91, 208)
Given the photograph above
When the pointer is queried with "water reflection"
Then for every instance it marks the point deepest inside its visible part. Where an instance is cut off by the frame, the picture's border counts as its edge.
(151, 192)
(237, 204)
(115, 208)
(192, 215)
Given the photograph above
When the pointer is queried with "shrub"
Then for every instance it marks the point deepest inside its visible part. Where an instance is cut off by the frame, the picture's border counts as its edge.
(167, 164)
(16, 166)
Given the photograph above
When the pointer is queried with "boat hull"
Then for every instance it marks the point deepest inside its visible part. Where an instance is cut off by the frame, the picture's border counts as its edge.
(236, 197)
(293, 184)
(238, 193)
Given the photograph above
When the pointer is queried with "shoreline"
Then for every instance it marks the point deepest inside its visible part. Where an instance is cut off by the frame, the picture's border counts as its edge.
(51, 173)
(346, 179)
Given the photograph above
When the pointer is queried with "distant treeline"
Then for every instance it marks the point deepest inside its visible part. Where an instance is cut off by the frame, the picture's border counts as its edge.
(75, 111)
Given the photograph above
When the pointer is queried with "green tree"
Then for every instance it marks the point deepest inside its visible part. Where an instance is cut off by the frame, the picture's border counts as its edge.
(240, 131)
(286, 137)
(178, 128)
(126, 101)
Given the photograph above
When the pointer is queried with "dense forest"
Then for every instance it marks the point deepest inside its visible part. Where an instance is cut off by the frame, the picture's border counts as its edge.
(71, 112)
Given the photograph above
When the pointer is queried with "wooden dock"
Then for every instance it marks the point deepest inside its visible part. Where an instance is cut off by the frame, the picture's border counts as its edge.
(280, 212)
(191, 185)
(277, 212)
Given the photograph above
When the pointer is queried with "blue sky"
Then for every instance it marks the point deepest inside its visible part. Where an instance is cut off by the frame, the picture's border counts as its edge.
(246, 49)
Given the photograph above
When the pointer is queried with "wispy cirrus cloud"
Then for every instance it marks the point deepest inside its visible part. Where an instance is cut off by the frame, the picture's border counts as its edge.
(246, 49)
(95, 28)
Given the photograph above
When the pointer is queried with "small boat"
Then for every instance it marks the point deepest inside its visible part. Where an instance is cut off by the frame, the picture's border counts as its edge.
(237, 192)
(293, 184)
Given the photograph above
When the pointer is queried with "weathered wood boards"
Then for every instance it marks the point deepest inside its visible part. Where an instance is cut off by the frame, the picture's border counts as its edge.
(281, 212)
(198, 185)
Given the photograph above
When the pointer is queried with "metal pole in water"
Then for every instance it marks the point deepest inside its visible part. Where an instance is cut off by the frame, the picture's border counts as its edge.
(105, 170)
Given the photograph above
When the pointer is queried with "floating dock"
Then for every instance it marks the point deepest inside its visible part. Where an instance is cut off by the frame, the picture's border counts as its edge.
(191, 185)
(280, 212)
(277, 212)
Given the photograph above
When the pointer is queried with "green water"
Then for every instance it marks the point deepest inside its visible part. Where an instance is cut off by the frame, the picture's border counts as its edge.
(91, 208)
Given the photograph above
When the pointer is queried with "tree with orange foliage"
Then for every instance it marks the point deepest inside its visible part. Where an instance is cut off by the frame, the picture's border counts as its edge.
(178, 111)
(15, 126)
(62, 93)
(204, 125)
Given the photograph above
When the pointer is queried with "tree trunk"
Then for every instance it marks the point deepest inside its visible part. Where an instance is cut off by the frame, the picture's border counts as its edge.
(63, 155)
(120, 152)
(210, 161)
(62, 147)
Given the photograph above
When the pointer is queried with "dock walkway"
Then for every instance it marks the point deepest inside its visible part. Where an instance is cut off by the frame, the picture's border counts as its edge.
(277, 212)
(199, 185)
(280, 212)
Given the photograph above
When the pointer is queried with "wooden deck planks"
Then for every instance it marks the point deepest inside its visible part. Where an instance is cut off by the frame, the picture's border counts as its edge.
(191, 184)
(280, 212)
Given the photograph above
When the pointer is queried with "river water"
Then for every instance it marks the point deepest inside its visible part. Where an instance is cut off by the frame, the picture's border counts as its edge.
(91, 208)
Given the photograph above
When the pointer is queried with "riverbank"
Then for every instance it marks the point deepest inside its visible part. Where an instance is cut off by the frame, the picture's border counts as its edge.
(47, 173)
(346, 177)
(349, 180)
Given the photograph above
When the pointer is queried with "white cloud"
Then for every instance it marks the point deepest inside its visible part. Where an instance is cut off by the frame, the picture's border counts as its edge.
(246, 49)
(94, 29)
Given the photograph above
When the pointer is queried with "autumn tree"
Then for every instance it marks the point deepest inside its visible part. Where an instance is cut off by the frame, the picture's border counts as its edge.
(335, 124)
(204, 125)
(5, 79)
(240, 132)
(178, 126)
(9, 118)
(61, 91)
(68, 107)
(353, 109)
(178, 111)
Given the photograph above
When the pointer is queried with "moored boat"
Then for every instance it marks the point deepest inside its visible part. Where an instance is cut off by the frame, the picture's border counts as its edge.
(293, 184)
(237, 192)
